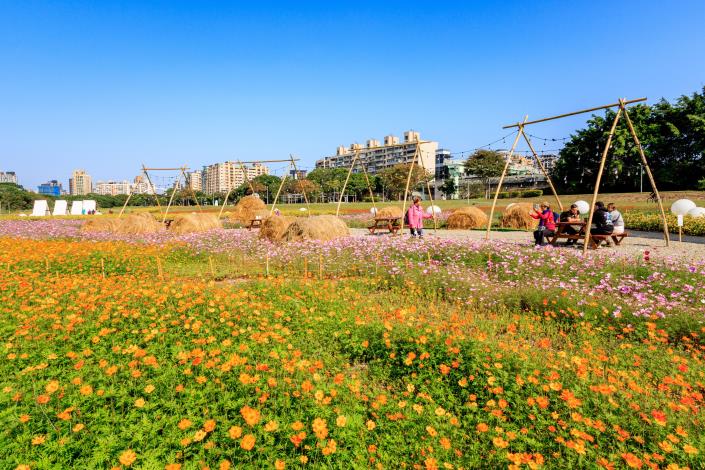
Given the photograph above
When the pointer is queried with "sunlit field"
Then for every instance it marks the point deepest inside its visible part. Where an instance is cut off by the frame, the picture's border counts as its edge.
(220, 350)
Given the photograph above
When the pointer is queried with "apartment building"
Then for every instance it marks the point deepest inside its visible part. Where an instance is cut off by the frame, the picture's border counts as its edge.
(8, 177)
(112, 188)
(194, 180)
(376, 156)
(80, 183)
(222, 177)
(50, 188)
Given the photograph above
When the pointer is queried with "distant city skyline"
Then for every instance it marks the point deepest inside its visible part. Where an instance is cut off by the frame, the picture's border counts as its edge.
(108, 86)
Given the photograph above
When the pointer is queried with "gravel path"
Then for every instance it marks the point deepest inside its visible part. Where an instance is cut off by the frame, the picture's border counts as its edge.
(634, 245)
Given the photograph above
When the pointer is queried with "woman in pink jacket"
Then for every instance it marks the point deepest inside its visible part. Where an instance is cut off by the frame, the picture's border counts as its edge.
(547, 224)
(416, 215)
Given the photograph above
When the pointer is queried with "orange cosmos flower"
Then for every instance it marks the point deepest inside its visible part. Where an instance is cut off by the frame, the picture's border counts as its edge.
(209, 425)
(279, 465)
(632, 460)
(184, 424)
(52, 386)
(250, 415)
(24, 418)
(235, 432)
(499, 442)
(43, 399)
(128, 457)
(690, 450)
(320, 428)
(271, 426)
(173, 466)
(248, 442)
(341, 421)
(482, 427)
(199, 435)
(38, 440)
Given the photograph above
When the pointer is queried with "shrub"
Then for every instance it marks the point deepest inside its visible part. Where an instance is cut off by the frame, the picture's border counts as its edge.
(532, 193)
(651, 222)
(503, 195)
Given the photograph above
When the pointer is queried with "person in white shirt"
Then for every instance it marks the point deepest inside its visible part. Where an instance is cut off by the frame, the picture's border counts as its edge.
(617, 219)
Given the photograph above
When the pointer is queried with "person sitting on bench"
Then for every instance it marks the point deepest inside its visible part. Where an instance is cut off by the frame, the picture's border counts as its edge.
(571, 215)
(602, 220)
(547, 224)
(617, 219)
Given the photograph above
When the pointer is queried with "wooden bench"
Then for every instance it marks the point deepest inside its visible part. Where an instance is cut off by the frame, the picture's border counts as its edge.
(168, 222)
(254, 223)
(616, 238)
(393, 224)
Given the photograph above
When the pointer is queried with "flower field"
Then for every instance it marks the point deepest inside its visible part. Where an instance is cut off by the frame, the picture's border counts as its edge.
(218, 350)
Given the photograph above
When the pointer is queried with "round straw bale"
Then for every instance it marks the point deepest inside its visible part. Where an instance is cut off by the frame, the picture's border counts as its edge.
(274, 226)
(389, 212)
(190, 223)
(247, 208)
(467, 218)
(131, 224)
(320, 227)
(517, 216)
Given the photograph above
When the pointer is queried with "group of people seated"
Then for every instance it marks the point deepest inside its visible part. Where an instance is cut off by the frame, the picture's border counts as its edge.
(607, 220)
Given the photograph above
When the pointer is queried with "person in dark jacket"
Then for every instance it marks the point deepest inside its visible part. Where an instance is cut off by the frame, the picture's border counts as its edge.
(601, 220)
(571, 215)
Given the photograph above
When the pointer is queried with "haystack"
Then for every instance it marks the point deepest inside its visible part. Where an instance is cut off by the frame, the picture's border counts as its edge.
(517, 216)
(389, 212)
(274, 226)
(467, 218)
(190, 223)
(320, 227)
(247, 208)
(133, 224)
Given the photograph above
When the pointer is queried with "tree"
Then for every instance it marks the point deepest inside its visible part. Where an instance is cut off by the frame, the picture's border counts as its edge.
(672, 136)
(301, 186)
(485, 164)
(14, 197)
(448, 188)
(394, 178)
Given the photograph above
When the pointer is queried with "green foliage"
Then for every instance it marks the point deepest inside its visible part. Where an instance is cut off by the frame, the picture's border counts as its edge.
(673, 138)
(485, 164)
(532, 193)
(394, 178)
(14, 197)
(448, 187)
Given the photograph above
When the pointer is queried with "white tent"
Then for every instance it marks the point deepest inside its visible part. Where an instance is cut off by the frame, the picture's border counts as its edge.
(76, 207)
(60, 207)
(41, 208)
(89, 205)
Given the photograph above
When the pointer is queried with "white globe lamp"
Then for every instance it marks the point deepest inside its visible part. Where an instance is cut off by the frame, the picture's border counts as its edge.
(682, 206)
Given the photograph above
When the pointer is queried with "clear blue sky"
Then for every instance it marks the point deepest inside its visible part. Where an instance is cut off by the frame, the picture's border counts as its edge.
(105, 85)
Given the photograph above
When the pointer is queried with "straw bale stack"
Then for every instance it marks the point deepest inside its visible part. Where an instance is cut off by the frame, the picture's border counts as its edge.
(467, 218)
(133, 224)
(320, 227)
(194, 222)
(517, 216)
(247, 208)
(274, 226)
(389, 212)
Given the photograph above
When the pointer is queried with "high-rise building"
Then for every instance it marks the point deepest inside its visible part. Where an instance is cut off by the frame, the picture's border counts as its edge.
(80, 183)
(112, 188)
(50, 188)
(222, 177)
(8, 177)
(194, 180)
(376, 157)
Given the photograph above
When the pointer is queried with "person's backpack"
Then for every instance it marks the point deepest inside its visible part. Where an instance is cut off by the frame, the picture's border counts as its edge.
(406, 217)
(556, 217)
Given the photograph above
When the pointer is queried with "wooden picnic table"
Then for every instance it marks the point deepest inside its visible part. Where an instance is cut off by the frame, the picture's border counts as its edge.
(393, 224)
(595, 239)
(254, 223)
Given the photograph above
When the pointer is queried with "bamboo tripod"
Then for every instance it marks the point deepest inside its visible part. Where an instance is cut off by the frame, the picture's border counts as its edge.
(145, 171)
(622, 105)
(417, 156)
(356, 159)
(292, 165)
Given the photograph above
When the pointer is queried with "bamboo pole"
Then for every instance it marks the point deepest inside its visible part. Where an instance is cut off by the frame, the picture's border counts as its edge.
(210, 263)
(320, 265)
(543, 169)
(428, 188)
(599, 178)
(160, 271)
(501, 178)
(303, 190)
(171, 199)
(225, 201)
(666, 234)
(347, 178)
(582, 111)
(129, 195)
(151, 186)
(276, 198)
(406, 190)
(369, 186)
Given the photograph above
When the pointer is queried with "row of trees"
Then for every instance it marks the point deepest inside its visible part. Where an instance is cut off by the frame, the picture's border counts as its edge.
(673, 138)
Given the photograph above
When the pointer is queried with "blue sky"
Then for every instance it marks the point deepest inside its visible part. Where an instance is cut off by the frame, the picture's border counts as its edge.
(108, 85)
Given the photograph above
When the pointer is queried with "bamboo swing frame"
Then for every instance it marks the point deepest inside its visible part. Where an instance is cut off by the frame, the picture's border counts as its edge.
(417, 156)
(622, 104)
(182, 172)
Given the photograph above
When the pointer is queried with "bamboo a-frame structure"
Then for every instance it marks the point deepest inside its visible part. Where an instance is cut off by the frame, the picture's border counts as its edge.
(622, 105)
(182, 172)
(292, 165)
(358, 160)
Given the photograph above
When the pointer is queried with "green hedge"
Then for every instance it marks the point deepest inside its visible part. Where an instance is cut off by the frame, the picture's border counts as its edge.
(651, 222)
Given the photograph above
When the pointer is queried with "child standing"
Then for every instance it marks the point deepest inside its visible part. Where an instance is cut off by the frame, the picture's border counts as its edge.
(415, 216)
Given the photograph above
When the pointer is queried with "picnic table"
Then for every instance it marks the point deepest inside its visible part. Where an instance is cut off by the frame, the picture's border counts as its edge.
(168, 222)
(393, 224)
(254, 223)
(595, 240)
